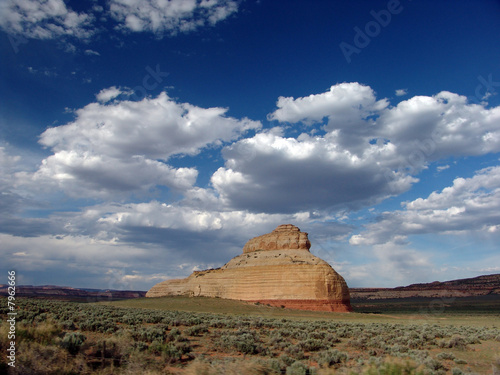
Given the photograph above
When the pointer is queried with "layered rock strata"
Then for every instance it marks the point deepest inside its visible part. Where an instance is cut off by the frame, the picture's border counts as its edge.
(276, 269)
(487, 285)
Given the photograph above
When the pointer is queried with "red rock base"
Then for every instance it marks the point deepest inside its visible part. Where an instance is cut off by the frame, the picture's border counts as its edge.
(309, 304)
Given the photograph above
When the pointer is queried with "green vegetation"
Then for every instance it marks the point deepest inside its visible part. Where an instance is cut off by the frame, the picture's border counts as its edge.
(55, 337)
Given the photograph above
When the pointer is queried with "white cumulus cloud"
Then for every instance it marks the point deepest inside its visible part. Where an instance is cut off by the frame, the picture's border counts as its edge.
(469, 205)
(342, 104)
(105, 95)
(370, 150)
(441, 168)
(171, 17)
(310, 173)
(44, 19)
(53, 19)
(124, 146)
(401, 92)
(91, 52)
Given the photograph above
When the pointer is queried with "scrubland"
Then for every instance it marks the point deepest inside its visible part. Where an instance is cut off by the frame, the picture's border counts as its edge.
(155, 336)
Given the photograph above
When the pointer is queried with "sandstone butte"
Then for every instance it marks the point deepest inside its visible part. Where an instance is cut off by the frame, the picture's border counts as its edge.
(276, 269)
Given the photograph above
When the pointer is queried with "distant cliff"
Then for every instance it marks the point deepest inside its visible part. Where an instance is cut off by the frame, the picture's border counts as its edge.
(62, 292)
(476, 286)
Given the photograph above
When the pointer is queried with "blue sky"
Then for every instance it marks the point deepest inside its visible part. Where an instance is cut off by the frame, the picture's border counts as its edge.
(141, 140)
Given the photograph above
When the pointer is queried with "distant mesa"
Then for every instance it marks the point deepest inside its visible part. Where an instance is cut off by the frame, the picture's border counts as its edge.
(481, 286)
(276, 269)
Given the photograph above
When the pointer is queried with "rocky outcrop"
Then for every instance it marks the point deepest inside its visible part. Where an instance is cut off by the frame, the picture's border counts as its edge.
(285, 237)
(275, 269)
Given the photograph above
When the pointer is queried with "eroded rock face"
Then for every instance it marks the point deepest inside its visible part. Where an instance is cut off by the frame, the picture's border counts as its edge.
(276, 268)
(285, 237)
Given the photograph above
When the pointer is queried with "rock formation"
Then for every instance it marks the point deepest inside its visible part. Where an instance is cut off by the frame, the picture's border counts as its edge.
(276, 269)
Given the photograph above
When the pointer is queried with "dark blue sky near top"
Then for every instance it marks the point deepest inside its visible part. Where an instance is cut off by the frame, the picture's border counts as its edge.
(244, 62)
(268, 50)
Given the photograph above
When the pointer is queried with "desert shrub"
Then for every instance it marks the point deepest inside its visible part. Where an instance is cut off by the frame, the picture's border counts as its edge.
(473, 339)
(286, 360)
(359, 343)
(375, 361)
(149, 334)
(97, 324)
(116, 348)
(418, 355)
(43, 317)
(445, 356)
(428, 334)
(68, 325)
(318, 335)
(331, 339)
(41, 359)
(278, 343)
(72, 342)
(393, 368)
(295, 351)
(193, 321)
(175, 322)
(330, 357)
(416, 343)
(138, 363)
(344, 332)
(4, 332)
(202, 366)
(173, 334)
(219, 323)
(283, 332)
(171, 352)
(496, 365)
(274, 366)
(297, 368)
(245, 343)
(196, 330)
(242, 323)
(456, 341)
(312, 345)
(140, 346)
(43, 333)
(377, 342)
(184, 347)
(153, 318)
(456, 371)
(433, 364)
(181, 339)
(156, 347)
(299, 334)
(398, 349)
(459, 361)
(131, 319)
